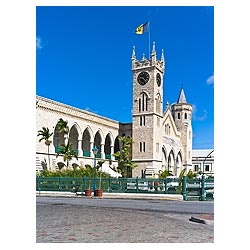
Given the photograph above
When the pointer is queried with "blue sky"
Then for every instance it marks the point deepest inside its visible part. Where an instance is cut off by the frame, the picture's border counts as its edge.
(83, 58)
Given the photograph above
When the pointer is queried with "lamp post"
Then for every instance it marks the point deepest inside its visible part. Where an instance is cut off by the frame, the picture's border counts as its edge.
(95, 150)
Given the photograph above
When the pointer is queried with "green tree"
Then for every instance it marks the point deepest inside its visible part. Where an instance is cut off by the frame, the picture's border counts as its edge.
(68, 153)
(62, 126)
(191, 174)
(45, 135)
(164, 174)
(124, 155)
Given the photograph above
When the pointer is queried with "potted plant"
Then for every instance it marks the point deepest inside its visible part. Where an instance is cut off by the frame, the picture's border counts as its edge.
(88, 191)
(98, 192)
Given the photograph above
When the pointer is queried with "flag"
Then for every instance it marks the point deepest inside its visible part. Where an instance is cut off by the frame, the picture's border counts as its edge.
(142, 28)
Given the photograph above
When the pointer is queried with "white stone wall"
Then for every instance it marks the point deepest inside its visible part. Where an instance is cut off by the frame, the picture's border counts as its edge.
(48, 114)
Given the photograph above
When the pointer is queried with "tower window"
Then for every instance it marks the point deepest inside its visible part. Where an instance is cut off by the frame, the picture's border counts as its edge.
(142, 120)
(143, 102)
(179, 115)
(142, 147)
(185, 115)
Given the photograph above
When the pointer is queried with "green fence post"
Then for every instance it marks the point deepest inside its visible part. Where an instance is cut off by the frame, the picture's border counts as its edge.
(203, 195)
(39, 184)
(137, 185)
(59, 184)
(165, 183)
(184, 187)
(109, 189)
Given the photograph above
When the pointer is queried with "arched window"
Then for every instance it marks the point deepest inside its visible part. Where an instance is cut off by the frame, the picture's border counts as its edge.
(143, 102)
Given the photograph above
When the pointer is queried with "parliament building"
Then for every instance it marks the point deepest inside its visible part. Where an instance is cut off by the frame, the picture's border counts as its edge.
(162, 136)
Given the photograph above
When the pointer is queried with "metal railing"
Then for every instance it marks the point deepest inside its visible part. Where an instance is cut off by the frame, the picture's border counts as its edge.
(198, 189)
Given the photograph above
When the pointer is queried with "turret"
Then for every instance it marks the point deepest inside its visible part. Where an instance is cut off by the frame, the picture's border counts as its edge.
(182, 114)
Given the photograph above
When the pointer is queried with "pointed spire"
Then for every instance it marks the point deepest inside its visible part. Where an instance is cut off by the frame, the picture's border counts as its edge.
(153, 50)
(182, 98)
(162, 55)
(133, 53)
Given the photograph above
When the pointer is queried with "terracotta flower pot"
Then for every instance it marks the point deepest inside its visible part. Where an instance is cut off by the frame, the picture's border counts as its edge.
(98, 193)
(88, 192)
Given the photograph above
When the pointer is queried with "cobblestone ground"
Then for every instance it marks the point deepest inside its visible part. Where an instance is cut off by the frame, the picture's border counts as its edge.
(83, 224)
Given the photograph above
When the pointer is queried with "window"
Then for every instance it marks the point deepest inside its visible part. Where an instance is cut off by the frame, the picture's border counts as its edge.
(196, 167)
(179, 116)
(206, 168)
(185, 116)
(142, 120)
(143, 102)
(167, 129)
(142, 147)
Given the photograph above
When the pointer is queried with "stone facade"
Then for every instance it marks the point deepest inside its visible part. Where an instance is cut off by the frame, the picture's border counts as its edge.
(162, 140)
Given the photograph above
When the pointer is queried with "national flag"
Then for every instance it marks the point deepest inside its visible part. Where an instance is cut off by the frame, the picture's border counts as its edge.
(142, 28)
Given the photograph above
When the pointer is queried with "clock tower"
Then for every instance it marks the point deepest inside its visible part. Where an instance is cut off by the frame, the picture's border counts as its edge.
(147, 113)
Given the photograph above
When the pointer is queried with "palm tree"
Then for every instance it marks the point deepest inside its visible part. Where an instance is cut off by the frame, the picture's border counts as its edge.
(124, 155)
(45, 135)
(67, 152)
(63, 126)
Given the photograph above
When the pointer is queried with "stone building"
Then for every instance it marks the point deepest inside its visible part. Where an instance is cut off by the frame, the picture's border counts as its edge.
(162, 139)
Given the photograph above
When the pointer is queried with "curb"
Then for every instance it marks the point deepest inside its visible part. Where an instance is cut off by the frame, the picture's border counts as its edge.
(113, 195)
(202, 220)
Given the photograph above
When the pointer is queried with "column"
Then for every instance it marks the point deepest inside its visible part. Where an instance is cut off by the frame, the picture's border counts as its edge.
(80, 148)
(91, 147)
(112, 152)
(102, 151)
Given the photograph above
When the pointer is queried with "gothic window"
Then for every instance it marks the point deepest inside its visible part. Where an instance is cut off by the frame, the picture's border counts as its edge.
(167, 129)
(143, 102)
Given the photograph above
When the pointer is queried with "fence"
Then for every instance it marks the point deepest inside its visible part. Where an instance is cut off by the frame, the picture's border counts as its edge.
(199, 189)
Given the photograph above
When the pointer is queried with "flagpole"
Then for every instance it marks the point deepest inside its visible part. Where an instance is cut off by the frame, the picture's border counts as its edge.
(148, 40)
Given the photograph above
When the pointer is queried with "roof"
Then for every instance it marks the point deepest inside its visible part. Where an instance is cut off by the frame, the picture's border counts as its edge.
(182, 98)
(201, 152)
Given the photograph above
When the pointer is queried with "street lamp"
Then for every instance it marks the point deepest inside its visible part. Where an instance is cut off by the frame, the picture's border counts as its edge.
(95, 150)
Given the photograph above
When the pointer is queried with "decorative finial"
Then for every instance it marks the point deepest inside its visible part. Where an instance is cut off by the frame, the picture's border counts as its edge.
(153, 50)
(167, 105)
(162, 55)
(133, 52)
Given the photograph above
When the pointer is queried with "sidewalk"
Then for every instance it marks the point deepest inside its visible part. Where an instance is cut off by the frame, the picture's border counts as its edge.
(140, 196)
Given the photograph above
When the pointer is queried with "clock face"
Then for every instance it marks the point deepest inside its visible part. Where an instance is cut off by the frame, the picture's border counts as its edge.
(143, 78)
(158, 79)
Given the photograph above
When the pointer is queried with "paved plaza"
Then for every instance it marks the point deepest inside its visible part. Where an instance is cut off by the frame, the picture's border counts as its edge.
(83, 221)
